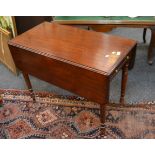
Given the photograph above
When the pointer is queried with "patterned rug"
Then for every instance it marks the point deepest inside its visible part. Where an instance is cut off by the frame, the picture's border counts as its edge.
(53, 116)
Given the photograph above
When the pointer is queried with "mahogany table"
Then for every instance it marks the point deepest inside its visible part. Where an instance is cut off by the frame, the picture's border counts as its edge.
(78, 60)
(107, 23)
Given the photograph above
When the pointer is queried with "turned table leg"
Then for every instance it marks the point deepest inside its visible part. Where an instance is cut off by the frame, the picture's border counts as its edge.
(103, 120)
(27, 81)
(103, 110)
(28, 84)
(152, 46)
(124, 82)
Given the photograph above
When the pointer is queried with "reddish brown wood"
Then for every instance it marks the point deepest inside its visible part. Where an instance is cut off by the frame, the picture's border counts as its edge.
(62, 74)
(103, 119)
(90, 42)
(28, 84)
(27, 81)
(104, 26)
(78, 60)
(103, 110)
(124, 82)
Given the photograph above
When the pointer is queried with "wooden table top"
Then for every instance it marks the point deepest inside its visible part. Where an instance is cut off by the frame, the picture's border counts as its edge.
(94, 51)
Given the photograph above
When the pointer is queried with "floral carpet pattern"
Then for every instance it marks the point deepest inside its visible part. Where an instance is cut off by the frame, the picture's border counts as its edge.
(52, 116)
